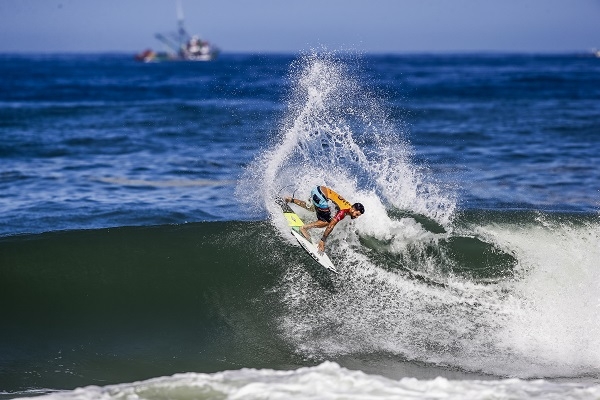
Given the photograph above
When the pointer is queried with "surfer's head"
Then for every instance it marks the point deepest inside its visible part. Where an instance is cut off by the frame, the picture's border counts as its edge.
(356, 210)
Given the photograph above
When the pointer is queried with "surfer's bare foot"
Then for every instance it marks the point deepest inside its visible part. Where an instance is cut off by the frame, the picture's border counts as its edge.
(304, 233)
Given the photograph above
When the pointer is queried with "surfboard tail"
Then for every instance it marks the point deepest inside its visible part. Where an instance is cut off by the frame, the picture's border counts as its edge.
(285, 207)
(321, 257)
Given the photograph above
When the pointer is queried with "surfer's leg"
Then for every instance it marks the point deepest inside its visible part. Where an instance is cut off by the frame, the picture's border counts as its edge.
(297, 202)
(317, 224)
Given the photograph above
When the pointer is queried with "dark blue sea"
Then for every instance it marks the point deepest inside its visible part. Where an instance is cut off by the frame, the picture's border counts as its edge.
(142, 254)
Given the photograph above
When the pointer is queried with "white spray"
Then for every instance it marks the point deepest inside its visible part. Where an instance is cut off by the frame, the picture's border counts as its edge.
(543, 322)
(337, 134)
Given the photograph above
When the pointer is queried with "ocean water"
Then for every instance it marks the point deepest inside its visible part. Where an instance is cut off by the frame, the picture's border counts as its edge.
(142, 254)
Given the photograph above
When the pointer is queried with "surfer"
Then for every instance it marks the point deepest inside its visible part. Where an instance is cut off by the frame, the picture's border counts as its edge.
(319, 202)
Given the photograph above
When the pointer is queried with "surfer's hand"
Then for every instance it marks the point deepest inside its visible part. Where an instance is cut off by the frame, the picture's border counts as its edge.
(321, 246)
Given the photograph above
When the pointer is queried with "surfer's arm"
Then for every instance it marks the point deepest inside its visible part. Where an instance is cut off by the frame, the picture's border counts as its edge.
(332, 224)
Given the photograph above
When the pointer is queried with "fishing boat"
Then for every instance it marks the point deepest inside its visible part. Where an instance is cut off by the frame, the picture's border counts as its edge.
(181, 46)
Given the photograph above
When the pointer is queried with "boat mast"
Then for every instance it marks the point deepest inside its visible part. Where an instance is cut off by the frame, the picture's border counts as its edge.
(183, 35)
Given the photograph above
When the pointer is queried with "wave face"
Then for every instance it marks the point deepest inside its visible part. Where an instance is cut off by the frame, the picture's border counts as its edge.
(503, 295)
(123, 304)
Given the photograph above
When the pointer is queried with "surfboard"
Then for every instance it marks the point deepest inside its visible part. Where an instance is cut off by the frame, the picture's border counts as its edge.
(295, 223)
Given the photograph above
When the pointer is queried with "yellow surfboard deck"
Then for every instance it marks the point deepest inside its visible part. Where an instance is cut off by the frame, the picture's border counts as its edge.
(293, 220)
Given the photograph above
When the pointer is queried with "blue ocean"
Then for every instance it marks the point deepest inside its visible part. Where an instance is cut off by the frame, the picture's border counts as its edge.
(143, 255)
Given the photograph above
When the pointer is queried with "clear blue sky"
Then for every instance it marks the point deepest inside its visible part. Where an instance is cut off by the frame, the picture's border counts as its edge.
(393, 26)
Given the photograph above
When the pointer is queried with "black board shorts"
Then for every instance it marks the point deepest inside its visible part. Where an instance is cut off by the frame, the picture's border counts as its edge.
(323, 214)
